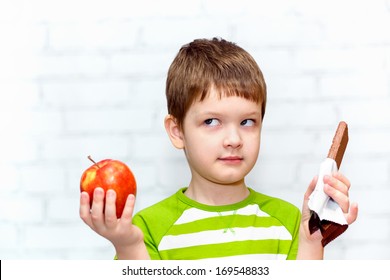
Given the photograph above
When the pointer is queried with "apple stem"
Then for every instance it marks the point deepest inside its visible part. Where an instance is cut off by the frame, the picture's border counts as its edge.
(89, 157)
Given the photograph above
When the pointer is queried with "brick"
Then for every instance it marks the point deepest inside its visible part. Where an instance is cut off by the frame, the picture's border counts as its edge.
(18, 65)
(108, 120)
(159, 147)
(374, 202)
(30, 123)
(378, 115)
(63, 209)
(141, 64)
(145, 175)
(168, 171)
(70, 65)
(229, 8)
(279, 31)
(273, 62)
(154, 32)
(10, 237)
(339, 60)
(105, 35)
(361, 171)
(85, 93)
(22, 209)
(301, 114)
(375, 142)
(151, 9)
(19, 94)
(22, 36)
(73, 147)
(148, 93)
(17, 148)
(10, 181)
(356, 28)
(73, 11)
(286, 144)
(365, 85)
(44, 178)
(291, 88)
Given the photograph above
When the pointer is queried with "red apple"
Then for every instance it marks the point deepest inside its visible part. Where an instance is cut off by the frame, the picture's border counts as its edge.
(109, 174)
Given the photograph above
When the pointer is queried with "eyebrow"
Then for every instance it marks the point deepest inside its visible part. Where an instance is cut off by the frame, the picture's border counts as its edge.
(215, 113)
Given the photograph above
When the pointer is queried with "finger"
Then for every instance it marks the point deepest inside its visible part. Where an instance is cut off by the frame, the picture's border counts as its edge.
(339, 197)
(336, 183)
(85, 208)
(353, 213)
(127, 213)
(342, 178)
(97, 208)
(110, 209)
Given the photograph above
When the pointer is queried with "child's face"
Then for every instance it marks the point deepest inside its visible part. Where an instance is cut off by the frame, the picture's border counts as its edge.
(221, 138)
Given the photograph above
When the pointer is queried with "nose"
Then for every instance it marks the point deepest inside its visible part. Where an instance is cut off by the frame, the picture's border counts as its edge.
(232, 138)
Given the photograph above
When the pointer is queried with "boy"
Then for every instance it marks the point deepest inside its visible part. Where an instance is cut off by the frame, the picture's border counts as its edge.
(216, 99)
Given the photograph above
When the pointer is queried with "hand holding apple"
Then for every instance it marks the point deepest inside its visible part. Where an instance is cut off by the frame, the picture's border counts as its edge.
(109, 174)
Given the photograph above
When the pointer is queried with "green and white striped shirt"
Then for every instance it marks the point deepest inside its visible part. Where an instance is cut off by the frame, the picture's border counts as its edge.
(259, 227)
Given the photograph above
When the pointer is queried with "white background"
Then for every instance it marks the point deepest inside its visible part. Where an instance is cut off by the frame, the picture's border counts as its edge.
(83, 77)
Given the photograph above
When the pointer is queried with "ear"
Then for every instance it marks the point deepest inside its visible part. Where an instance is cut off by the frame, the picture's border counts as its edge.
(174, 131)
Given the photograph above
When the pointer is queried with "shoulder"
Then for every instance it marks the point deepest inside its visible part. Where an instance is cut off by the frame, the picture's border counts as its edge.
(167, 209)
(284, 211)
(270, 202)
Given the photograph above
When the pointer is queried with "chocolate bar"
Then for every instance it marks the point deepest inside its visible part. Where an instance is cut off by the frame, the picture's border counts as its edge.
(339, 144)
(329, 229)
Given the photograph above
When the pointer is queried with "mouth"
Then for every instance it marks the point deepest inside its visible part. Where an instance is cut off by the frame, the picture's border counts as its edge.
(231, 159)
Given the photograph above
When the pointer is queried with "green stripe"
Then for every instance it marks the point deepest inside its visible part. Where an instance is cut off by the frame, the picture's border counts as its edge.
(215, 223)
(228, 249)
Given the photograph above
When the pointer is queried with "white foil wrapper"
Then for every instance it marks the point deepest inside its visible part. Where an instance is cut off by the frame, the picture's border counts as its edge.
(319, 202)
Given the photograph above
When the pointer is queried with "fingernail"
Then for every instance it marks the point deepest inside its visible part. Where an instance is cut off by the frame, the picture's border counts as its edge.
(98, 190)
(109, 193)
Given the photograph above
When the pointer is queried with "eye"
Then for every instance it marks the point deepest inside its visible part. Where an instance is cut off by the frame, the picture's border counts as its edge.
(211, 122)
(248, 122)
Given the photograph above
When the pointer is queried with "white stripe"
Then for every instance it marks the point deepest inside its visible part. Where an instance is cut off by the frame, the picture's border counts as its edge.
(252, 257)
(194, 214)
(218, 236)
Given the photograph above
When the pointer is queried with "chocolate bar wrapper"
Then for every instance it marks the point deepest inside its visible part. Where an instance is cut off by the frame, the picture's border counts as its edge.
(326, 214)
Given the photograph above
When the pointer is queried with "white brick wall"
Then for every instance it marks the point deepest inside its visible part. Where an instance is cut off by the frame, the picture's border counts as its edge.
(83, 77)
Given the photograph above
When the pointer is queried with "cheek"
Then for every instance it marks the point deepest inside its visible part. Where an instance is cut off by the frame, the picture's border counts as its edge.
(253, 144)
(200, 149)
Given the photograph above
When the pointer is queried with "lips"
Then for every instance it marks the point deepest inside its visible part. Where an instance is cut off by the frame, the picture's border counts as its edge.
(231, 159)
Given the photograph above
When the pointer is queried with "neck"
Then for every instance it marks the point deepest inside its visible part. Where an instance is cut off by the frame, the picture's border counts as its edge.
(217, 194)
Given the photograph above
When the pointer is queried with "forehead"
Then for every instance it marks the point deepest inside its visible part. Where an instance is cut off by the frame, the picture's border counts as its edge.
(215, 101)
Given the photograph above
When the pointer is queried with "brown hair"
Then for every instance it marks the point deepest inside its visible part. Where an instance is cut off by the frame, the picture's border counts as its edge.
(217, 63)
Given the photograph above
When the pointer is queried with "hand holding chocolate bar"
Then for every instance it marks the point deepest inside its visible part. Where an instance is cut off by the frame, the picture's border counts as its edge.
(326, 214)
